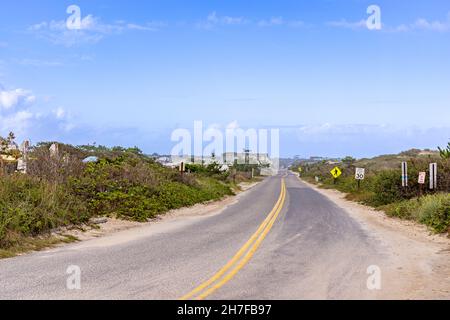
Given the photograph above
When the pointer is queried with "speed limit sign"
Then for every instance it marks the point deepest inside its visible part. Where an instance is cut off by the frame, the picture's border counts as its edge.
(360, 173)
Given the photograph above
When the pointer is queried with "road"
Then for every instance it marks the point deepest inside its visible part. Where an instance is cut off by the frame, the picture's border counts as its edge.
(287, 242)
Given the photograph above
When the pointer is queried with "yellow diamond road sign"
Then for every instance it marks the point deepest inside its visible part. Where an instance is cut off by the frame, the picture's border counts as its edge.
(336, 172)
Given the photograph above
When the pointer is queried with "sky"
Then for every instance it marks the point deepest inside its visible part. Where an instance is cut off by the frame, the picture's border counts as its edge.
(137, 70)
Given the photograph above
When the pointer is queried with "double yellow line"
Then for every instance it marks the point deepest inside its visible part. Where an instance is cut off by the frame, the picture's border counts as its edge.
(249, 248)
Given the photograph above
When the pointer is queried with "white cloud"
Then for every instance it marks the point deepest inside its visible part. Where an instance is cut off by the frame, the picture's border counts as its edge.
(280, 21)
(234, 125)
(14, 115)
(348, 24)
(60, 113)
(420, 24)
(274, 21)
(17, 122)
(14, 98)
(436, 25)
(91, 31)
(133, 26)
(17, 115)
(214, 19)
(423, 24)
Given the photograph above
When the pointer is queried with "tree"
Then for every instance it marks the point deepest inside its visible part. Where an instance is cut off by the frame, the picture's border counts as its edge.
(349, 160)
(445, 153)
(5, 149)
(6, 142)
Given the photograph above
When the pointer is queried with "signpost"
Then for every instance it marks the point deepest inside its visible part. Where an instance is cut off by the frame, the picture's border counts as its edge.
(182, 168)
(360, 174)
(422, 177)
(336, 173)
(404, 174)
(433, 176)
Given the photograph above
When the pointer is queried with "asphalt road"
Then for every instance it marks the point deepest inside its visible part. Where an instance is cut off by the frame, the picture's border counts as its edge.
(303, 247)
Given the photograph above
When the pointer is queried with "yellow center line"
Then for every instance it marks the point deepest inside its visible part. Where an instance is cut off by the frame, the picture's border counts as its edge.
(258, 236)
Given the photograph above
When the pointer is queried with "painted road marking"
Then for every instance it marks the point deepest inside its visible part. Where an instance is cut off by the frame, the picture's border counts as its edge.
(215, 282)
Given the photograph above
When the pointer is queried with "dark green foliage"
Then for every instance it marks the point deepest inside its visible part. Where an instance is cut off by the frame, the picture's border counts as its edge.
(136, 189)
(445, 153)
(431, 210)
(386, 187)
(30, 206)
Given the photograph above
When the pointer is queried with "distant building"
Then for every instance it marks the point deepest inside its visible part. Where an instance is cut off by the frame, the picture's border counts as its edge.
(227, 159)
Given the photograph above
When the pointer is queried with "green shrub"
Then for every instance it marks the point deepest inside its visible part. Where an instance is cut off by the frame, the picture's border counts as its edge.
(386, 187)
(404, 210)
(434, 211)
(29, 206)
(431, 210)
(138, 190)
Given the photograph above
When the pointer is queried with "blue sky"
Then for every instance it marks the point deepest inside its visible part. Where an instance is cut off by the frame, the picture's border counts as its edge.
(139, 69)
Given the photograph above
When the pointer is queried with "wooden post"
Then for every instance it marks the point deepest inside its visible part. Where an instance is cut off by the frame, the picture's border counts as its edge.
(181, 168)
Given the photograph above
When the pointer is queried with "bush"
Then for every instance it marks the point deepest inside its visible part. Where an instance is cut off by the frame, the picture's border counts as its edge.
(434, 211)
(30, 206)
(386, 187)
(135, 189)
(431, 210)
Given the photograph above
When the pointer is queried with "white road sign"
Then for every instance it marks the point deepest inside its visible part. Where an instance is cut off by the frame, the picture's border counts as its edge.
(422, 176)
(360, 173)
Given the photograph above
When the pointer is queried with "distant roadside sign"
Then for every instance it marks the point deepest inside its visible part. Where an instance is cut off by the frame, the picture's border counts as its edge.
(360, 173)
(422, 177)
(336, 172)
(404, 174)
(433, 176)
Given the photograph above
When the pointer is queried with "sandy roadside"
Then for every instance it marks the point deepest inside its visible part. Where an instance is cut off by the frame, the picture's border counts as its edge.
(418, 261)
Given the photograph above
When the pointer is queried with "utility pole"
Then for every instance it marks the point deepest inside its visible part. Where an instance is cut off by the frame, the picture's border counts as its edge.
(247, 156)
